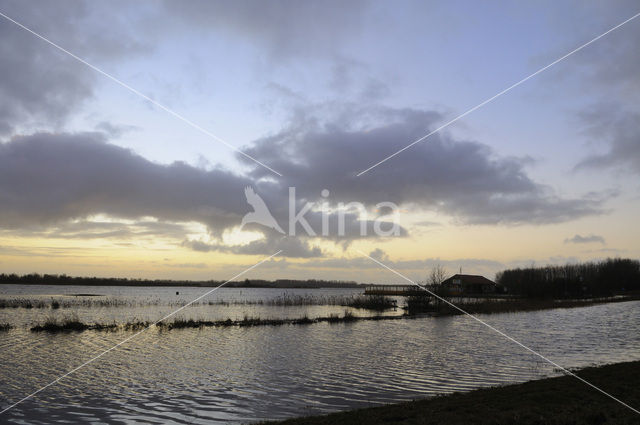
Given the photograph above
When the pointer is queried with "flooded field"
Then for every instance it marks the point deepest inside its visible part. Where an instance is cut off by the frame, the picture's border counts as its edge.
(240, 375)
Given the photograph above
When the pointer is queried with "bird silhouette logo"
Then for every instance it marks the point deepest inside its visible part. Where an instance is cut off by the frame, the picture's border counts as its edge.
(260, 213)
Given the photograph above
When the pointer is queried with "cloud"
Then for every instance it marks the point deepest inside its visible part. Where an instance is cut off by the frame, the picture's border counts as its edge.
(608, 71)
(585, 239)
(612, 62)
(90, 229)
(41, 85)
(282, 28)
(291, 247)
(324, 147)
(114, 131)
(47, 178)
(379, 254)
(51, 183)
(619, 130)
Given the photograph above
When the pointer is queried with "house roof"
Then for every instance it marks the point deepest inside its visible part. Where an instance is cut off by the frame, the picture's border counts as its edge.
(470, 279)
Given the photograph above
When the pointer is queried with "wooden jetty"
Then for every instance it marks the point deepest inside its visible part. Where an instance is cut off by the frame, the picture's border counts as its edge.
(397, 290)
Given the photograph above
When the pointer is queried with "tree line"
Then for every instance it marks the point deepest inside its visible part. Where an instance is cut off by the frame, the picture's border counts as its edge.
(63, 279)
(601, 278)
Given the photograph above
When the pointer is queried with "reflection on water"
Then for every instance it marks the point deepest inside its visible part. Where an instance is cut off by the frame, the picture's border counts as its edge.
(247, 374)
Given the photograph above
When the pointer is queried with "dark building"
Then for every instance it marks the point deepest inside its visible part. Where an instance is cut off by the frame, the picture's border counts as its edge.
(468, 284)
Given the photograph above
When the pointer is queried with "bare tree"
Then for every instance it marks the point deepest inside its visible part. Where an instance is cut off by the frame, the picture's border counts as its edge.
(437, 275)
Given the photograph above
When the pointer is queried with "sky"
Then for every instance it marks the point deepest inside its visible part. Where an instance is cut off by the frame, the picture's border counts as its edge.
(96, 180)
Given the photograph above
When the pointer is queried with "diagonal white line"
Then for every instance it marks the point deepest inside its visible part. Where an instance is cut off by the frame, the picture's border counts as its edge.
(501, 333)
(480, 105)
(142, 95)
(135, 334)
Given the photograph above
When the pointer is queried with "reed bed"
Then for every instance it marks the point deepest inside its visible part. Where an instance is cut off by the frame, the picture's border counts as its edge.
(72, 324)
(376, 303)
(358, 301)
(22, 303)
(57, 303)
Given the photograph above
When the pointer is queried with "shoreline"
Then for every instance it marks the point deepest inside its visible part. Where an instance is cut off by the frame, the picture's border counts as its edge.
(557, 400)
(72, 324)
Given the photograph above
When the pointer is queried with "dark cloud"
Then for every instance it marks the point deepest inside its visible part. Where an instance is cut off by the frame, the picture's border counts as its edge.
(619, 130)
(379, 254)
(611, 64)
(40, 85)
(115, 130)
(291, 247)
(281, 28)
(462, 179)
(609, 72)
(585, 239)
(50, 178)
(87, 229)
(55, 181)
(50, 184)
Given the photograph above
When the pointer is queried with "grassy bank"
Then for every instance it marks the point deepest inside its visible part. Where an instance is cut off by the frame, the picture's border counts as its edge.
(553, 401)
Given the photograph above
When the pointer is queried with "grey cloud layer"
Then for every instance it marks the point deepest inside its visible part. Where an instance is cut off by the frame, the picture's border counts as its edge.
(290, 246)
(463, 179)
(284, 28)
(41, 86)
(48, 179)
(585, 239)
(619, 130)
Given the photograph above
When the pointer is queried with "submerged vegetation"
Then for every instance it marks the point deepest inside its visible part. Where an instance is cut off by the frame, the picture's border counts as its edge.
(286, 300)
(54, 325)
(377, 303)
(22, 303)
(415, 306)
(372, 302)
(56, 303)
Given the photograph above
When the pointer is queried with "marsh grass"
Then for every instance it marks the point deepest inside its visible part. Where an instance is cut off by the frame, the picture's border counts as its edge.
(53, 325)
(22, 303)
(70, 324)
(371, 302)
(57, 303)
(376, 303)
(5, 326)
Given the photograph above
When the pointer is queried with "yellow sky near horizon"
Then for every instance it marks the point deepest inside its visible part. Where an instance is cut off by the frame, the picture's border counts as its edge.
(478, 249)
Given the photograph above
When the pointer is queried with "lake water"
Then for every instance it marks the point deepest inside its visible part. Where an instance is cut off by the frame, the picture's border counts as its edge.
(242, 375)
